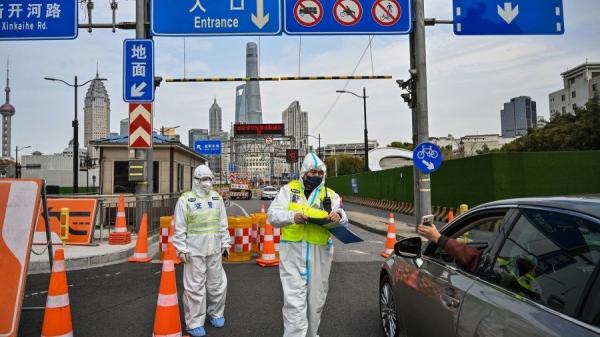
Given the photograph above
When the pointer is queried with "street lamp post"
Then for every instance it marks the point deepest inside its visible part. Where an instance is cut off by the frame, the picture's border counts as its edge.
(17, 149)
(75, 125)
(364, 97)
(319, 146)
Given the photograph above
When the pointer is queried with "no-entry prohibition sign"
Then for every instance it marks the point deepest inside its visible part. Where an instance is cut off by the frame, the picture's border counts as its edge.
(386, 12)
(347, 12)
(308, 12)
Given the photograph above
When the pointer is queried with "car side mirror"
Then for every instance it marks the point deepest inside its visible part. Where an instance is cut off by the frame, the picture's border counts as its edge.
(409, 247)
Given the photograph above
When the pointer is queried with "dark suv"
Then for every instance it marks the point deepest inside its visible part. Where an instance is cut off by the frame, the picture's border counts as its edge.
(538, 274)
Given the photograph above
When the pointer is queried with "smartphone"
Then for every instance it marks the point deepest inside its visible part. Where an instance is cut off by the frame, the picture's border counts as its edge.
(426, 220)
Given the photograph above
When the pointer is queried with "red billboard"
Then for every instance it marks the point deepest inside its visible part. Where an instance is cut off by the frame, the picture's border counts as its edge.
(258, 129)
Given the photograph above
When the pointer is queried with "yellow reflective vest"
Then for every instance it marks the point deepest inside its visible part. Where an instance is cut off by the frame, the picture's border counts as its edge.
(309, 232)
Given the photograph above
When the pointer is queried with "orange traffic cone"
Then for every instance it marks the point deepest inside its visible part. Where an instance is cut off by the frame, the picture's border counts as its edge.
(140, 254)
(450, 215)
(166, 319)
(120, 236)
(391, 238)
(170, 246)
(57, 316)
(268, 259)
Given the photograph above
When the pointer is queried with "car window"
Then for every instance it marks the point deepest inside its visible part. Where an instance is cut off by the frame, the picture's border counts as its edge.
(270, 189)
(550, 258)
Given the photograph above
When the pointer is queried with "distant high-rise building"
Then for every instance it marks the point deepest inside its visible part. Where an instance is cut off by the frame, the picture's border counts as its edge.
(215, 119)
(518, 116)
(581, 84)
(124, 127)
(7, 111)
(196, 134)
(296, 124)
(248, 108)
(96, 115)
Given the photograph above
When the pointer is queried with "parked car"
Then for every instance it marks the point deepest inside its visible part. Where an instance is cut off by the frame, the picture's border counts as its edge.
(538, 274)
(268, 192)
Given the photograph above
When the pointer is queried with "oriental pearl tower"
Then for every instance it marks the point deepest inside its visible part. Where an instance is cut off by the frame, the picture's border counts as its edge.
(7, 111)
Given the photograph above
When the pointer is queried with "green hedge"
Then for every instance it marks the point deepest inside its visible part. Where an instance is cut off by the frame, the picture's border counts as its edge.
(479, 179)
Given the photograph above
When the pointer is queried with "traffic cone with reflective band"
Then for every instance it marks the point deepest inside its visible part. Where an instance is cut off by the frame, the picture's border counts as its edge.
(268, 258)
(140, 254)
(57, 316)
(391, 238)
(450, 215)
(170, 246)
(120, 236)
(166, 320)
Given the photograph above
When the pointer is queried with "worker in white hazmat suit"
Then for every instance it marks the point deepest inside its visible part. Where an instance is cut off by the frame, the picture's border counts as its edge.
(306, 248)
(202, 239)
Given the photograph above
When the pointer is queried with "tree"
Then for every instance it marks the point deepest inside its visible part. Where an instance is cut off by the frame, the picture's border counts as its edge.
(565, 132)
(402, 145)
(346, 164)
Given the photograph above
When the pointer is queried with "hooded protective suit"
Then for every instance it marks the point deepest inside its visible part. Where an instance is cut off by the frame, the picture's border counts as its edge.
(201, 233)
(305, 252)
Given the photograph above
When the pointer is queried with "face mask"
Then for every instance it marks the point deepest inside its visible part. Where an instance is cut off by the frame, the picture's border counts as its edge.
(205, 186)
(310, 183)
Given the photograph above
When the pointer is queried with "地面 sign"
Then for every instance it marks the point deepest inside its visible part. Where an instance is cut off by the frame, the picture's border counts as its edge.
(38, 19)
(215, 17)
(138, 70)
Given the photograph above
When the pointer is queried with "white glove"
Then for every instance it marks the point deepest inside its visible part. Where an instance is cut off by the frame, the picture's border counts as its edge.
(184, 257)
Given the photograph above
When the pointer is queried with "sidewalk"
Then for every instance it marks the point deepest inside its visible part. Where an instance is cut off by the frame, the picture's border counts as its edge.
(379, 225)
(84, 257)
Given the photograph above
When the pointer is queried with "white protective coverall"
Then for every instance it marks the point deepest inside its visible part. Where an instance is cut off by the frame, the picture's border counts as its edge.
(204, 240)
(304, 267)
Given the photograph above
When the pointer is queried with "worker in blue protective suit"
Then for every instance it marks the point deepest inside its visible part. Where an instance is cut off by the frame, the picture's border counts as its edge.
(306, 248)
(201, 239)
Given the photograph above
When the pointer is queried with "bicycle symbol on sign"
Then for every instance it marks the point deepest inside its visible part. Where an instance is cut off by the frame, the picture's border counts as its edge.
(428, 151)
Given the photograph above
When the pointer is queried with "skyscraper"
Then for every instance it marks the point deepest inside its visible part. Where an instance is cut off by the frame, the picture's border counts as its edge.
(124, 127)
(296, 124)
(7, 111)
(215, 119)
(248, 108)
(518, 116)
(96, 115)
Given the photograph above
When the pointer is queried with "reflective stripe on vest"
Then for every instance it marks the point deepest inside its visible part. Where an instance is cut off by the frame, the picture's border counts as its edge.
(203, 220)
(311, 233)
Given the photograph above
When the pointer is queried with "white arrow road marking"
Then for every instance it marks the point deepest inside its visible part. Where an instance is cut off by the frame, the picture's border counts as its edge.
(507, 13)
(140, 110)
(429, 165)
(260, 19)
(138, 90)
(140, 133)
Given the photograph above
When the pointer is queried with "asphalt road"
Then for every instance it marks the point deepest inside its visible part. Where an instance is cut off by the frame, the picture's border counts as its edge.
(120, 300)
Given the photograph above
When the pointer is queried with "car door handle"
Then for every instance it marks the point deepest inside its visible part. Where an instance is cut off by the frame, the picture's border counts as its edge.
(449, 301)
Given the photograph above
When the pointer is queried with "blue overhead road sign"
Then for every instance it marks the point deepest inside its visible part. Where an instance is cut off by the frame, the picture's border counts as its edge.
(208, 147)
(347, 17)
(427, 157)
(138, 70)
(232, 167)
(215, 17)
(508, 17)
(38, 19)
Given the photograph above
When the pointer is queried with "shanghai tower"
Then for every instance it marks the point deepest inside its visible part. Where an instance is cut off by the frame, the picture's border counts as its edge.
(248, 108)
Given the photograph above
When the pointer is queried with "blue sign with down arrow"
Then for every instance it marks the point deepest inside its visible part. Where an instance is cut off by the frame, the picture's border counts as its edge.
(138, 70)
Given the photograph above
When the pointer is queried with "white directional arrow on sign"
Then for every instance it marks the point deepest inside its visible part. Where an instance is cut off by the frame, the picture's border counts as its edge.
(429, 165)
(260, 19)
(138, 90)
(508, 13)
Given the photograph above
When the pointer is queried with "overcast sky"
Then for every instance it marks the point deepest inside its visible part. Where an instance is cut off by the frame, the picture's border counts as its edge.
(469, 77)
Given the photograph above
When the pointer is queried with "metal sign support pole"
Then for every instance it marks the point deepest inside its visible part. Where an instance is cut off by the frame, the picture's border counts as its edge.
(422, 182)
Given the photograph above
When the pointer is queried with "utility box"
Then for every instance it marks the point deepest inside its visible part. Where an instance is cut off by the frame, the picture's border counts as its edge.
(137, 169)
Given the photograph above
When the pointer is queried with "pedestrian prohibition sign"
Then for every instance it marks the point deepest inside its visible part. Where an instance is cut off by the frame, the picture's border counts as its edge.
(347, 12)
(308, 12)
(386, 12)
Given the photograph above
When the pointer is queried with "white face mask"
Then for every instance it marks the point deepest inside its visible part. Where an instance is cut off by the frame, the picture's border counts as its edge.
(205, 186)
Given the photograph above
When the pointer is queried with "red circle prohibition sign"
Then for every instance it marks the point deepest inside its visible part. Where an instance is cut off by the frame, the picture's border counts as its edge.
(347, 12)
(308, 13)
(386, 12)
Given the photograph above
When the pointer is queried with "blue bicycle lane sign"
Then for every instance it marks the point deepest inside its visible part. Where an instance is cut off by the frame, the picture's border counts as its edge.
(427, 157)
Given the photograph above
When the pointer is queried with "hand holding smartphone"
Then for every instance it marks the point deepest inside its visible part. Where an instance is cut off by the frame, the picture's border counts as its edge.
(426, 220)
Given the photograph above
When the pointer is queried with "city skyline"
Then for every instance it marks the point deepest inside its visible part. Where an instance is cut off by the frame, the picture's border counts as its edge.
(469, 78)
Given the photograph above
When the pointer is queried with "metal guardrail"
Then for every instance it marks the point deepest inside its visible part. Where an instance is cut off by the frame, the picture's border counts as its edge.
(160, 205)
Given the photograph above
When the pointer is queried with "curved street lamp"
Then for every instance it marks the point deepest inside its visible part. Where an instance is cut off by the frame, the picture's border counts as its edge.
(364, 97)
(75, 125)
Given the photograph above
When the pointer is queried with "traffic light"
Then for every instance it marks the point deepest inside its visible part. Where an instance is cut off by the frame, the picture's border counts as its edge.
(291, 155)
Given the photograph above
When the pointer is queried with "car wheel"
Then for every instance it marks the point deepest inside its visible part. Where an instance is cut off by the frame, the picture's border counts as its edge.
(387, 309)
